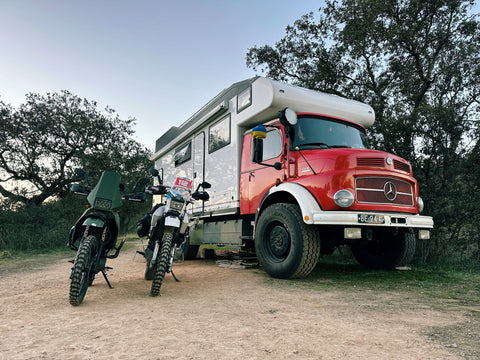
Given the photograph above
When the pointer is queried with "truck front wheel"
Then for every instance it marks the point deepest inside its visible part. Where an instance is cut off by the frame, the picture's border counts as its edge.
(286, 247)
(386, 250)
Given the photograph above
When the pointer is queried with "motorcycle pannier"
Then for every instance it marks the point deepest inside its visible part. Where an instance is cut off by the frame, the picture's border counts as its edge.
(143, 225)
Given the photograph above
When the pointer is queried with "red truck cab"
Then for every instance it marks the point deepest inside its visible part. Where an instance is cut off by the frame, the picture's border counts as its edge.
(349, 193)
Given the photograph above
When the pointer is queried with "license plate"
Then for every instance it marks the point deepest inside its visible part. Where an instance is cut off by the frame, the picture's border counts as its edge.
(371, 219)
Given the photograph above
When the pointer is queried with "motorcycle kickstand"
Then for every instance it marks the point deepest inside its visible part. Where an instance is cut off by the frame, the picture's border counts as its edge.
(106, 279)
(174, 276)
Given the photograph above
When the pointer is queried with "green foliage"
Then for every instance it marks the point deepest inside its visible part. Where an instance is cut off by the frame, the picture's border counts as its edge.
(47, 226)
(41, 143)
(417, 63)
(34, 227)
(45, 138)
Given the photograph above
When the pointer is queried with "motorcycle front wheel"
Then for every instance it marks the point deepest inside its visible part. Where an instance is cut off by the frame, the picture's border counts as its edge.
(162, 262)
(82, 270)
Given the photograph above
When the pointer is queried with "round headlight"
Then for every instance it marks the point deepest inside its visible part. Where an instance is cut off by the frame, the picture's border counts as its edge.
(343, 198)
(421, 205)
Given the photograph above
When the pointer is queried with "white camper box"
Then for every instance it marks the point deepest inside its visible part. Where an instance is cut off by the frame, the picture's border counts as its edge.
(208, 146)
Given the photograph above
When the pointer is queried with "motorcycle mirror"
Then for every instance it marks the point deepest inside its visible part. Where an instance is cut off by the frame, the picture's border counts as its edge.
(206, 185)
(201, 195)
(79, 172)
(141, 183)
(153, 172)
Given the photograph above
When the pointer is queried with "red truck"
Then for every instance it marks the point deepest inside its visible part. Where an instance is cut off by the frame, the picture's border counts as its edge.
(293, 176)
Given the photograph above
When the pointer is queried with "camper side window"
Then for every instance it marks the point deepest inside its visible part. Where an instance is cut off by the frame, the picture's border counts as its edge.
(272, 145)
(219, 134)
(183, 154)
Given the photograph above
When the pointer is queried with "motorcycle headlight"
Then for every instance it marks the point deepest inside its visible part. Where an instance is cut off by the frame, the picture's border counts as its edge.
(421, 205)
(102, 204)
(343, 198)
(176, 205)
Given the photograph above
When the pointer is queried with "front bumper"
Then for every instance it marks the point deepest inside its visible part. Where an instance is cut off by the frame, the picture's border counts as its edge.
(343, 218)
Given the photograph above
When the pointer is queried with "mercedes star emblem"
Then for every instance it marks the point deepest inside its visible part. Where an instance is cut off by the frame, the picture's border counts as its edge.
(390, 191)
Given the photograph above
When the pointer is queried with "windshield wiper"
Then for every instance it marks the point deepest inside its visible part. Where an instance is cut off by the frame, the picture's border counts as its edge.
(310, 166)
(340, 146)
(315, 144)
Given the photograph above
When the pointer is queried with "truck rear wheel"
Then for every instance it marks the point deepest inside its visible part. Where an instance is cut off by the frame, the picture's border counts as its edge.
(190, 250)
(286, 247)
(385, 250)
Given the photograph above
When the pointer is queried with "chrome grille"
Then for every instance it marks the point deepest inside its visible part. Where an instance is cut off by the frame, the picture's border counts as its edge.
(383, 190)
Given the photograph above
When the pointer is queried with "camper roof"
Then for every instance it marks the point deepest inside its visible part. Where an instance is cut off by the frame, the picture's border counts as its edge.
(217, 102)
(267, 97)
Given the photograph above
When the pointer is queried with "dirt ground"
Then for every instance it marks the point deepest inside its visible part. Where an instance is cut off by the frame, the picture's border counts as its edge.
(220, 313)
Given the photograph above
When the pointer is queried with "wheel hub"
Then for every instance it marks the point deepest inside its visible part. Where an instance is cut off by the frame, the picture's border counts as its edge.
(279, 241)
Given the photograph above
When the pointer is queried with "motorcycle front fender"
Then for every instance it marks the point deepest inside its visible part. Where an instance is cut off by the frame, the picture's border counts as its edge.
(95, 222)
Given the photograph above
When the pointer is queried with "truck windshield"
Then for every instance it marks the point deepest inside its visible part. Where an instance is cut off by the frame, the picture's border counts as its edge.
(317, 132)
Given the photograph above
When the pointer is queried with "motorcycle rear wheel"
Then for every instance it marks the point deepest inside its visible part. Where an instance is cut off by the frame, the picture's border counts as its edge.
(162, 263)
(82, 270)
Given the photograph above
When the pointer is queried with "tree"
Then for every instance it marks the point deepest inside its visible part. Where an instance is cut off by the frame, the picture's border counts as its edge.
(418, 65)
(47, 136)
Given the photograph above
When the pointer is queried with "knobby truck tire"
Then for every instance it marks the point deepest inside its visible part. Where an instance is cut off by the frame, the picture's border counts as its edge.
(286, 247)
(81, 271)
(190, 251)
(162, 263)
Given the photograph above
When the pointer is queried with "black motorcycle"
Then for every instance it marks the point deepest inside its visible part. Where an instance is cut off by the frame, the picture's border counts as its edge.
(97, 229)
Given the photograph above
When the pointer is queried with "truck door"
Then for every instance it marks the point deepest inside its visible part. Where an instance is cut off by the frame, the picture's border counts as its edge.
(256, 179)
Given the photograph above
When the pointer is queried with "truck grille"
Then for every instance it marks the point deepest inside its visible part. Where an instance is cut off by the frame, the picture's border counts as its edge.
(400, 165)
(380, 162)
(380, 190)
(377, 162)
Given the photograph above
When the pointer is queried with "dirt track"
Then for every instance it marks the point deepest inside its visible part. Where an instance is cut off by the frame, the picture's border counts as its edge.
(216, 313)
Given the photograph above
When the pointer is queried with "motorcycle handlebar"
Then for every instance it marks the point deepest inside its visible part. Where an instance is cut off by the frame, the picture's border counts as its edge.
(137, 197)
(156, 190)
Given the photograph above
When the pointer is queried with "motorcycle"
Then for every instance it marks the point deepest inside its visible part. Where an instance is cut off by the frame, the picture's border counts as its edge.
(97, 229)
(168, 226)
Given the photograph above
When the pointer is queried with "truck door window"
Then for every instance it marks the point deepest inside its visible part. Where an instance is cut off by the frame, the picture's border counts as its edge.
(183, 153)
(272, 145)
(219, 134)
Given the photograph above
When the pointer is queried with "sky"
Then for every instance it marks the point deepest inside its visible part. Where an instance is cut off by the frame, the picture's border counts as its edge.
(155, 61)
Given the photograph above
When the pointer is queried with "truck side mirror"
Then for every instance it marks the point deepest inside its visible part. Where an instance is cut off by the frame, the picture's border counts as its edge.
(257, 150)
(259, 133)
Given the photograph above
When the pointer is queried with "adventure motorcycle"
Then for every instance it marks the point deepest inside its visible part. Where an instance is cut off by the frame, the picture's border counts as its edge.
(97, 229)
(167, 226)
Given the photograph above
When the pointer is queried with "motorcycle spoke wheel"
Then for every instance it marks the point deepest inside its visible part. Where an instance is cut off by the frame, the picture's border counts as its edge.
(162, 263)
(82, 270)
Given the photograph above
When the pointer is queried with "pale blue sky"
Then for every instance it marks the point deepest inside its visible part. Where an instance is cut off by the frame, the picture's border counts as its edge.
(157, 61)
